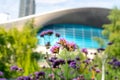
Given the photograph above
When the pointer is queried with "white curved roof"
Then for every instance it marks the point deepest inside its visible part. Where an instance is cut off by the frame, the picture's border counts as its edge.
(88, 16)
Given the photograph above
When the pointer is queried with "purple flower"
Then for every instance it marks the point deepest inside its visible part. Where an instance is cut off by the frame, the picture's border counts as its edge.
(87, 61)
(75, 79)
(77, 58)
(57, 35)
(97, 70)
(117, 63)
(114, 60)
(100, 49)
(43, 33)
(27, 78)
(62, 42)
(71, 46)
(3, 79)
(69, 61)
(41, 73)
(1, 73)
(52, 59)
(14, 68)
(51, 75)
(73, 64)
(110, 43)
(84, 50)
(55, 64)
(55, 49)
(24, 78)
(49, 32)
(61, 61)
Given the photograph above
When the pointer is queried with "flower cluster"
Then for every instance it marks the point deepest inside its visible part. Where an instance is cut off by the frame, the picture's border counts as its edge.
(1, 73)
(55, 63)
(62, 42)
(48, 32)
(72, 64)
(55, 49)
(115, 63)
(70, 46)
(36, 76)
(3, 79)
(84, 50)
(100, 50)
(87, 61)
(24, 78)
(39, 75)
(15, 68)
(47, 36)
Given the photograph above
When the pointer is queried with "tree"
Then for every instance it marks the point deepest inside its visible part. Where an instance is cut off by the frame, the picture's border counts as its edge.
(16, 48)
(112, 32)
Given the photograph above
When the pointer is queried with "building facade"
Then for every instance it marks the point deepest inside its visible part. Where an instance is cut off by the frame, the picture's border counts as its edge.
(27, 7)
(79, 25)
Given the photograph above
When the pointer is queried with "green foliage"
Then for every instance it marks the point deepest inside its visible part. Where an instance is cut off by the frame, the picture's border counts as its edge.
(16, 48)
(100, 41)
(112, 31)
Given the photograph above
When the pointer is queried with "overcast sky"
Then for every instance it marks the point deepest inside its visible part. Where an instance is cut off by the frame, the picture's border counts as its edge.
(11, 7)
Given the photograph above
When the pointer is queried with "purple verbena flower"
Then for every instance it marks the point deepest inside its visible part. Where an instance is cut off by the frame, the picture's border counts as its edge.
(27, 78)
(51, 76)
(55, 49)
(97, 70)
(110, 43)
(73, 64)
(117, 63)
(56, 64)
(100, 49)
(71, 46)
(52, 59)
(57, 35)
(24, 78)
(42, 34)
(49, 32)
(62, 42)
(84, 50)
(114, 60)
(77, 58)
(69, 61)
(41, 73)
(87, 61)
(74, 79)
(3, 79)
(14, 68)
(62, 61)
(1, 73)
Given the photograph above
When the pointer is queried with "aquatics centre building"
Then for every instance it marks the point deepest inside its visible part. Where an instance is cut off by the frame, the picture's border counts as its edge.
(79, 25)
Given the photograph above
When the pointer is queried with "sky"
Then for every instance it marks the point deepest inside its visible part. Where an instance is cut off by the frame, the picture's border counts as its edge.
(11, 7)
